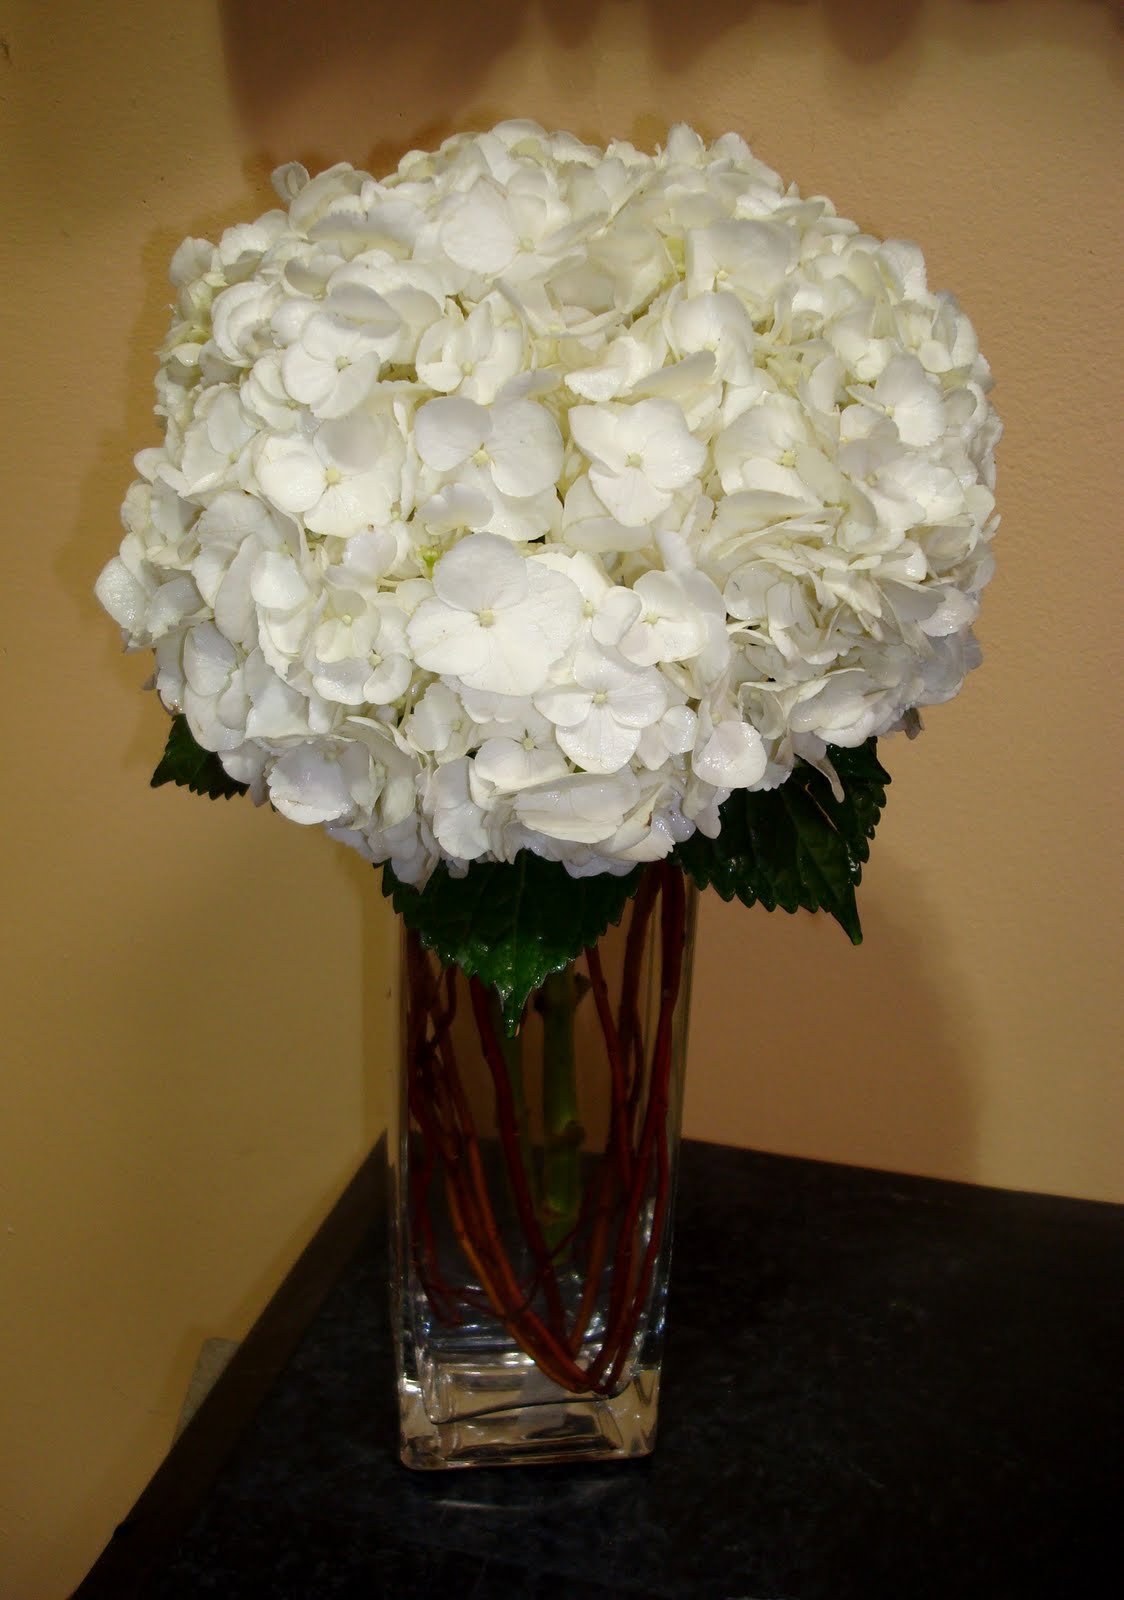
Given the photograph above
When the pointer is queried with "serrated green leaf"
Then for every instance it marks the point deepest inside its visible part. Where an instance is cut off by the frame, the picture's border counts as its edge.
(511, 924)
(796, 846)
(188, 764)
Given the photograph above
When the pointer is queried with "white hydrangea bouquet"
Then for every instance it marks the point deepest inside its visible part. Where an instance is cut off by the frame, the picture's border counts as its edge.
(581, 507)
(557, 527)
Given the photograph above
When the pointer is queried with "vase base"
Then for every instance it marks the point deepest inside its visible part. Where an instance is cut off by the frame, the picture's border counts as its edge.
(494, 1424)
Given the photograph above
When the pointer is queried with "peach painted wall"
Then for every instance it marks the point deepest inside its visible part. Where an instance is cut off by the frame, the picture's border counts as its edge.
(196, 998)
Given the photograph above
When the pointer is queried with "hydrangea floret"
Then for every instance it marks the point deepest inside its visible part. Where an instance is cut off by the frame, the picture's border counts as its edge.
(546, 499)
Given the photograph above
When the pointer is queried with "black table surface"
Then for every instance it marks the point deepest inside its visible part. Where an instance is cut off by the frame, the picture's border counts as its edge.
(875, 1386)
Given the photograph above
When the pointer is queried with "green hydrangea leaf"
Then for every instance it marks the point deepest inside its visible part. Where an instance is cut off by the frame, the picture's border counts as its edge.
(187, 763)
(796, 846)
(511, 924)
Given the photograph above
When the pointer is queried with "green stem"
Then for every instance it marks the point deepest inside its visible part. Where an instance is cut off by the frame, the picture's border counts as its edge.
(563, 1133)
(511, 1047)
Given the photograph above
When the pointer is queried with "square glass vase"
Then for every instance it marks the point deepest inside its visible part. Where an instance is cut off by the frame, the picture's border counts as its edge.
(533, 1184)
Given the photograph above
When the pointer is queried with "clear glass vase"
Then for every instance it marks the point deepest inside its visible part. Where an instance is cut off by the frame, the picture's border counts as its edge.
(532, 1188)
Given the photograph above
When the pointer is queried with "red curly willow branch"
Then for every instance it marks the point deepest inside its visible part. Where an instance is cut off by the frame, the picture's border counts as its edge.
(613, 1247)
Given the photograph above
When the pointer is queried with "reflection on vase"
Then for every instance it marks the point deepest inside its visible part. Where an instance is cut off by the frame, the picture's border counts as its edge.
(534, 1178)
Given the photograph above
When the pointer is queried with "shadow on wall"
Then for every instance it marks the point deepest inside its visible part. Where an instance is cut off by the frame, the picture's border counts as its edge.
(271, 49)
(96, 531)
(802, 1044)
(409, 76)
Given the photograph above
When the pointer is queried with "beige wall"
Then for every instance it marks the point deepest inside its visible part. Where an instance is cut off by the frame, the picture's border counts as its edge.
(196, 997)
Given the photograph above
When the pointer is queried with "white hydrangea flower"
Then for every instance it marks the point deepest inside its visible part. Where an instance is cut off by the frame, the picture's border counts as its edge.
(344, 478)
(216, 445)
(475, 356)
(334, 364)
(638, 454)
(460, 825)
(517, 442)
(539, 496)
(324, 780)
(441, 725)
(214, 695)
(496, 620)
(732, 755)
(602, 705)
(582, 808)
(357, 654)
(529, 754)
(655, 620)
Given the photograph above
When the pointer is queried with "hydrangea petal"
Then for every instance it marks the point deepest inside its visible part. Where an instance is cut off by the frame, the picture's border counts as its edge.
(600, 743)
(525, 448)
(734, 757)
(445, 639)
(478, 234)
(510, 765)
(448, 430)
(482, 572)
(291, 474)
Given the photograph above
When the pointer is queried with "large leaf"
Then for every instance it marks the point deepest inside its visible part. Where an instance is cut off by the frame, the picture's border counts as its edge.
(187, 763)
(511, 923)
(796, 846)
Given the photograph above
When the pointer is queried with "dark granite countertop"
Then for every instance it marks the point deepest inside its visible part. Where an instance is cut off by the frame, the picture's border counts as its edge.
(877, 1387)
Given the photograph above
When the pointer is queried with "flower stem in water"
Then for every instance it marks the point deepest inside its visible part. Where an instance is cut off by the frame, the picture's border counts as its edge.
(563, 1133)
